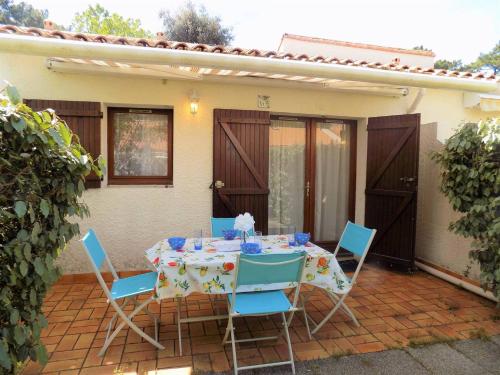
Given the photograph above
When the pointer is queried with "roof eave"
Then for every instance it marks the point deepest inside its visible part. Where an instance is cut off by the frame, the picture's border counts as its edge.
(51, 47)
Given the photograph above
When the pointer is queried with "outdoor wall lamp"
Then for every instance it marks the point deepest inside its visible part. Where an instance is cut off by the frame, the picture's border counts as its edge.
(193, 102)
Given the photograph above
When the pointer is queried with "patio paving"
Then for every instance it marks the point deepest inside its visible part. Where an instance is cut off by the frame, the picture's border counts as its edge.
(395, 311)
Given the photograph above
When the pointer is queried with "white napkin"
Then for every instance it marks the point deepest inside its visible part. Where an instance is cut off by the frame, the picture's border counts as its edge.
(232, 245)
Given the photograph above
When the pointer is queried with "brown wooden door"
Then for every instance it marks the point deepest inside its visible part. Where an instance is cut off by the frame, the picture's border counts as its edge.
(391, 187)
(84, 119)
(241, 164)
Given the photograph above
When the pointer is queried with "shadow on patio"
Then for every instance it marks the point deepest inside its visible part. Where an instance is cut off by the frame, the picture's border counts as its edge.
(394, 311)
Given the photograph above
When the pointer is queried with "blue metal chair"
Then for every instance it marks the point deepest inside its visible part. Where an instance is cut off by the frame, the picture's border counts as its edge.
(125, 289)
(357, 240)
(284, 269)
(221, 223)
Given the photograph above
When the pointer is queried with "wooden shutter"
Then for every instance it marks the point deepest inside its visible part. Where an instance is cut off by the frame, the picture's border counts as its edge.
(391, 186)
(84, 119)
(241, 163)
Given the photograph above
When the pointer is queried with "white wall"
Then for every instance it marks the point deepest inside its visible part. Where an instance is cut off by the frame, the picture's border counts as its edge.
(130, 219)
(325, 49)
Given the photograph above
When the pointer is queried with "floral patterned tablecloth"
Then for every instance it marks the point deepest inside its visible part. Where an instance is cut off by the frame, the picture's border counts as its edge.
(208, 271)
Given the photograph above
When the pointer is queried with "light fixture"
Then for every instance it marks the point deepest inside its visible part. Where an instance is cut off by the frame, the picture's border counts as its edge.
(193, 102)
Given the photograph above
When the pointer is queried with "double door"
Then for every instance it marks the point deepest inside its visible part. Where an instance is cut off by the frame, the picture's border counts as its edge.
(289, 172)
(310, 179)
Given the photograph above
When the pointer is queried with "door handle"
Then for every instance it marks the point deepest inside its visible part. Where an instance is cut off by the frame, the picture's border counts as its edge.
(407, 179)
(219, 184)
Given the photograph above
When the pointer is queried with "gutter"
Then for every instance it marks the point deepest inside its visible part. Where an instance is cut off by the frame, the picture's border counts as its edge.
(456, 281)
(51, 47)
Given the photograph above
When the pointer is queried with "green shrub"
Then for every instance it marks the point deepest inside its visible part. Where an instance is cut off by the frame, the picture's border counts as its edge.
(470, 163)
(42, 169)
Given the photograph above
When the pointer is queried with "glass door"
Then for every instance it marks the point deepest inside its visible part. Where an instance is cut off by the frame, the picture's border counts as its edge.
(331, 180)
(287, 166)
(311, 176)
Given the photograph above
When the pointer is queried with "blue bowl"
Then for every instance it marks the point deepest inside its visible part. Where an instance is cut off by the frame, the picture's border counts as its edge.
(250, 248)
(176, 243)
(302, 238)
(229, 234)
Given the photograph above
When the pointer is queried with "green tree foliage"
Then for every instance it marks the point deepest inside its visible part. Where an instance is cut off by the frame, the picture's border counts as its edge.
(485, 61)
(42, 170)
(195, 25)
(97, 20)
(470, 163)
(490, 60)
(450, 65)
(421, 48)
(21, 14)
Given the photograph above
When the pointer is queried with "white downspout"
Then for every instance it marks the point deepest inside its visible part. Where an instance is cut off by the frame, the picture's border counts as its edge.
(51, 47)
(418, 98)
(464, 284)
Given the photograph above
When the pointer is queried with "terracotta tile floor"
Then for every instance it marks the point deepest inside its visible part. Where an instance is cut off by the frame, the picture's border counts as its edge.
(394, 310)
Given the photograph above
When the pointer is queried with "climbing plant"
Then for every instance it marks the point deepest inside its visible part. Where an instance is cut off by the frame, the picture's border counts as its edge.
(470, 171)
(42, 171)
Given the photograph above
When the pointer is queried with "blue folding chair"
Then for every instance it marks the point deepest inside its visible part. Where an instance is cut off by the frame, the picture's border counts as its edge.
(125, 289)
(357, 240)
(222, 223)
(264, 270)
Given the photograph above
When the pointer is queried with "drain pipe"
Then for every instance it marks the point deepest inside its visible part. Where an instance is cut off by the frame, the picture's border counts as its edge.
(456, 281)
(416, 101)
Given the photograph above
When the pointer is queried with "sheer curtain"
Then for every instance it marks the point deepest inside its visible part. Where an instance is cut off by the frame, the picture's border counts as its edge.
(140, 144)
(287, 140)
(332, 180)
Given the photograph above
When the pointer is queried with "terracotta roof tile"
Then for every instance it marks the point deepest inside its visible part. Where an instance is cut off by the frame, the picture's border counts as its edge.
(160, 42)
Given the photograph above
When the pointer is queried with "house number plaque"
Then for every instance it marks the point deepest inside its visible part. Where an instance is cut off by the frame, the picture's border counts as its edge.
(263, 101)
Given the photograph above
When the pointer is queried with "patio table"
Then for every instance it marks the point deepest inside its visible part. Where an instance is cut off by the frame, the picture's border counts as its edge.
(209, 271)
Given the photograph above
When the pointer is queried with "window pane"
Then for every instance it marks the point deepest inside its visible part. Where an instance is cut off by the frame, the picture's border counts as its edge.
(332, 180)
(140, 144)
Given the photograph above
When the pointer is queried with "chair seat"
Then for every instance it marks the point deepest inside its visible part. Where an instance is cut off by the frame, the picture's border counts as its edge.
(130, 286)
(267, 302)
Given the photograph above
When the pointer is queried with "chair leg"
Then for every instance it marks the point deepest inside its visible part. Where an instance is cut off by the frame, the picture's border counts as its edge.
(344, 307)
(351, 314)
(226, 334)
(329, 315)
(306, 318)
(233, 345)
(136, 303)
(128, 320)
(179, 329)
(287, 335)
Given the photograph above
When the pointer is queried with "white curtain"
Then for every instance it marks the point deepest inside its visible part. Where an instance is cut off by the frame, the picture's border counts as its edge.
(287, 141)
(332, 180)
(140, 144)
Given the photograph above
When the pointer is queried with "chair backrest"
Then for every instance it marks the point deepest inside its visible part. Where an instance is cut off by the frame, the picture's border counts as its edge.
(270, 268)
(222, 223)
(94, 249)
(96, 252)
(356, 238)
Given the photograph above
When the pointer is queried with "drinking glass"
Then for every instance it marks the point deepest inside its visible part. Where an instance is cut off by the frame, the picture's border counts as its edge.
(291, 235)
(198, 239)
(258, 238)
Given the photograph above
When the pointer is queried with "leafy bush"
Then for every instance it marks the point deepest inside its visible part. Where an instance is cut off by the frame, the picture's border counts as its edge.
(42, 169)
(470, 163)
